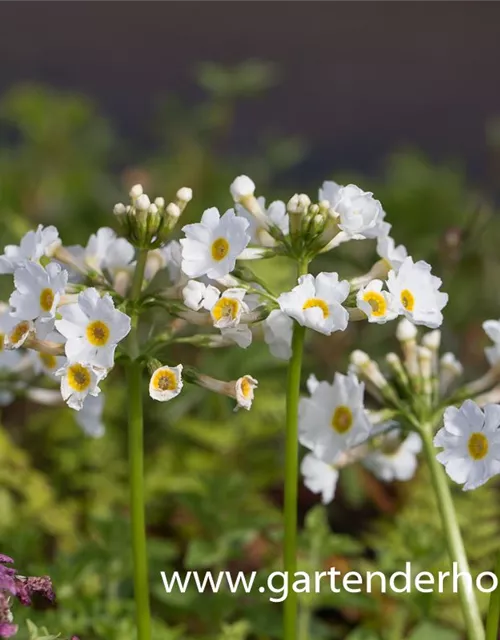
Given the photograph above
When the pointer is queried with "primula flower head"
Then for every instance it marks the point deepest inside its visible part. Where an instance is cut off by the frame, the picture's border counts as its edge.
(316, 302)
(244, 391)
(166, 383)
(211, 246)
(226, 311)
(93, 328)
(78, 380)
(416, 293)
(33, 246)
(376, 304)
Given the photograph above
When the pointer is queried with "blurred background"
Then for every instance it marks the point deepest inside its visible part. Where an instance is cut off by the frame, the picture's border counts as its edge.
(400, 98)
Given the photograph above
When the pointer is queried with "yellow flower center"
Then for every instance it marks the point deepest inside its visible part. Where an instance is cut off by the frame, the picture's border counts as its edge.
(246, 387)
(79, 377)
(48, 360)
(407, 300)
(97, 333)
(478, 446)
(317, 302)
(226, 308)
(46, 299)
(19, 332)
(342, 419)
(220, 249)
(377, 303)
(164, 380)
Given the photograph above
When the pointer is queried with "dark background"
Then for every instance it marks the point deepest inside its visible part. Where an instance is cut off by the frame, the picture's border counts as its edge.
(357, 78)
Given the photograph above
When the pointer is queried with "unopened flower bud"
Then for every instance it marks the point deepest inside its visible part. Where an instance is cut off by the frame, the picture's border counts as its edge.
(119, 209)
(242, 187)
(432, 340)
(136, 191)
(450, 369)
(173, 210)
(298, 204)
(185, 194)
(396, 366)
(160, 203)
(406, 330)
(142, 203)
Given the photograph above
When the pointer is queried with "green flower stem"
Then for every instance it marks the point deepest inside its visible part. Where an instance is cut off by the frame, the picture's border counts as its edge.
(292, 470)
(493, 620)
(456, 549)
(136, 462)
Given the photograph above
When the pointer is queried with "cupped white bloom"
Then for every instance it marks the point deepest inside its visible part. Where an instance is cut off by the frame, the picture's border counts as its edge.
(212, 246)
(89, 418)
(375, 303)
(197, 295)
(78, 380)
(275, 215)
(395, 460)
(47, 363)
(106, 251)
(360, 215)
(278, 329)
(416, 293)
(492, 330)
(242, 187)
(240, 335)
(319, 477)
(470, 439)
(37, 294)
(33, 246)
(16, 332)
(333, 419)
(245, 391)
(227, 310)
(93, 328)
(166, 383)
(392, 254)
(316, 302)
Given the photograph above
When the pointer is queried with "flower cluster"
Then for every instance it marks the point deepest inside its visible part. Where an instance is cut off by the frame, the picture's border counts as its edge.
(13, 585)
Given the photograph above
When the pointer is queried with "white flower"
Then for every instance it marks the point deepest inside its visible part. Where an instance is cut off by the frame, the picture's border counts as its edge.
(275, 215)
(93, 328)
(46, 362)
(392, 254)
(9, 359)
(376, 304)
(16, 333)
(333, 419)
(197, 295)
(242, 187)
(492, 330)
(212, 245)
(37, 294)
(360, 215)
(106, 251)
(240, 335)
(33, 246)
(226, 311)
(166, 383)
(395, 461)
(319, 477)
(78, 380)
(244, 391)
(89, 418)
(317, 302)
(416, 293)
(470, 439)
(278, 329)
(312, 383)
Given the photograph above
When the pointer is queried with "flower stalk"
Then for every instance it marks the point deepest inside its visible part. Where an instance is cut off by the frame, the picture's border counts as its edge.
(493, 619)
(136, 464)
(454, 541)
(292, 469)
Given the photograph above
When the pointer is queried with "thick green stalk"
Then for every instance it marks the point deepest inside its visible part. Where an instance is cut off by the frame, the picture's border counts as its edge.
(292, 471)
(493, 620)
(456, 549)
(136, 465)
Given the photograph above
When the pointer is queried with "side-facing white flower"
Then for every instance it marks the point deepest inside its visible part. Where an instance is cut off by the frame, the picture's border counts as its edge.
(492, 330)
(78, 380)
(360, 215)
(394, 460)
(212, 245)
(168, 257)
(316, 302)
(375, 303)
(470, 439)
(276, 215)
(16, 332)
(416, 293)
(9, 358)
(240, 335)
(93, 328)
(33, 246)
(227, 310)
(197, 295)
(37, 294)
(89, 418)
(106, 251)
(48, 363)
(319, 477)
(278, 329)
(166, 383)
(333, 419)
(244, 390)
(392, 254)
